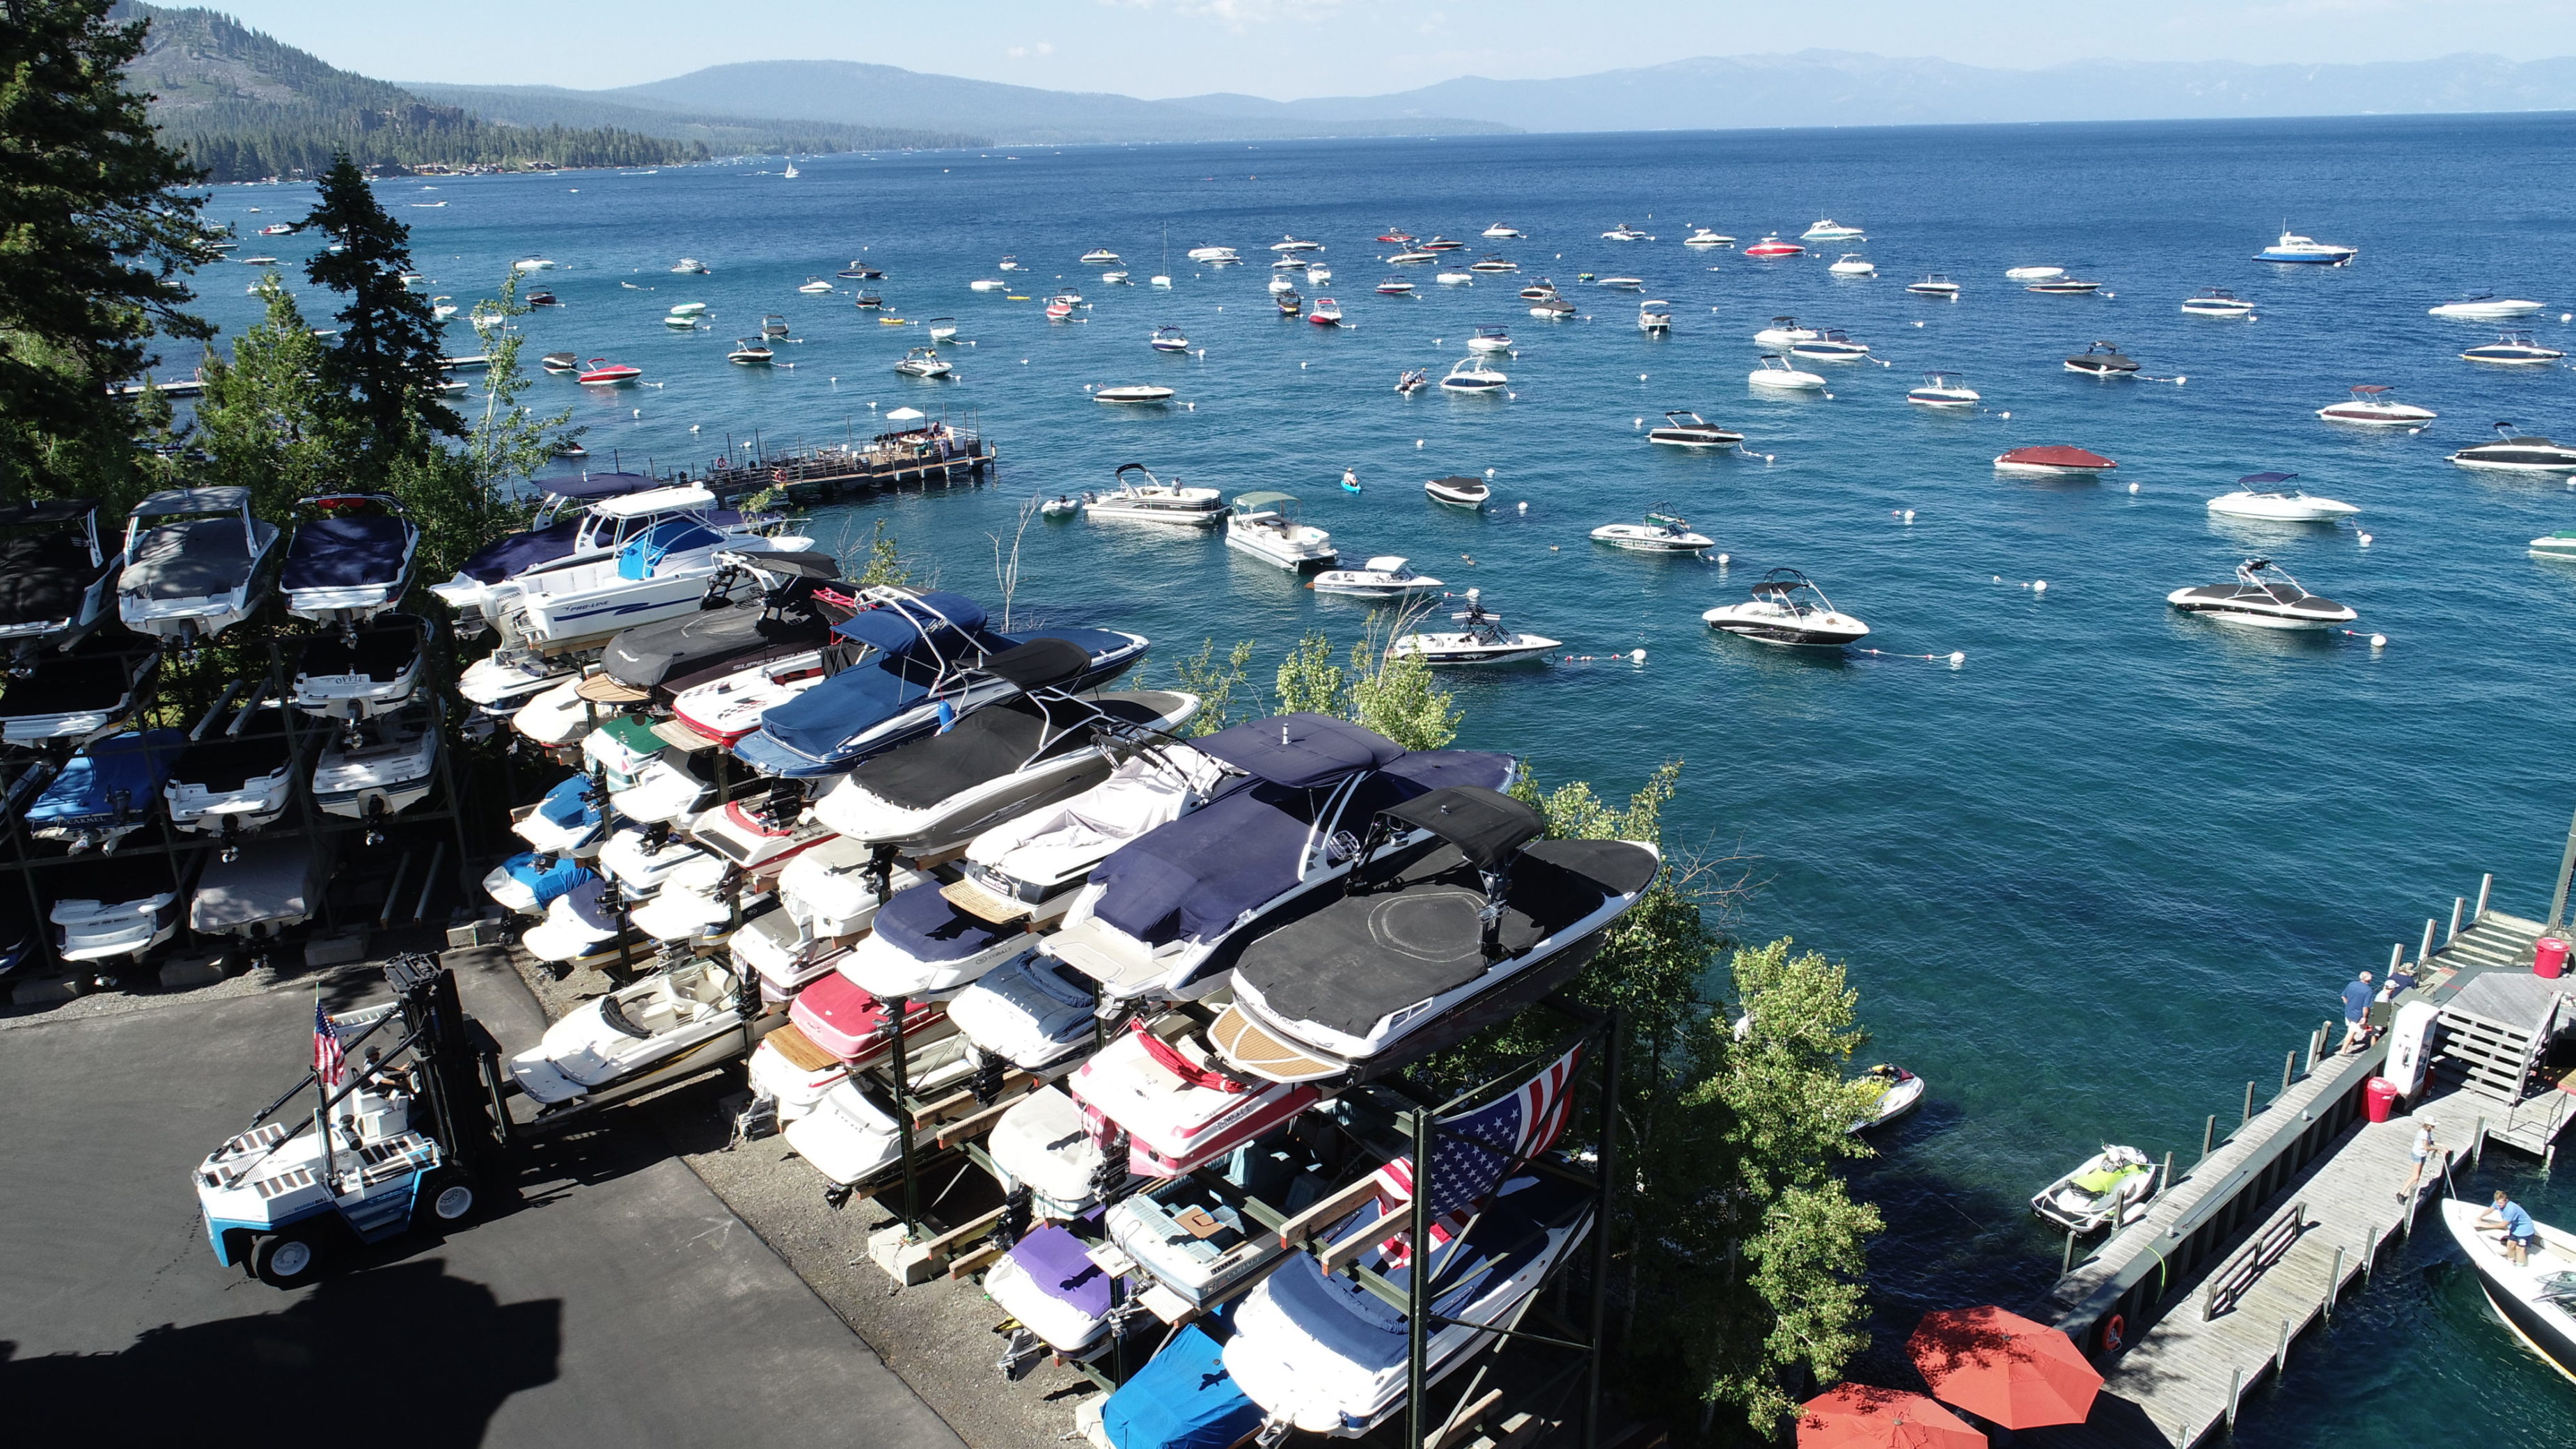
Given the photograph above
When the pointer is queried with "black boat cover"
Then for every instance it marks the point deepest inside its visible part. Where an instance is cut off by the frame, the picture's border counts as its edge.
(1041, 663)
(991, 742)
(676, 652)
(1195, 878)
(223, 761)
(1300, 751)
(47, 510)
(43, 576)
(98, 675)
(1485, 825)
(347, 553)
(1351, 964)
(111, 879)
(383, 650)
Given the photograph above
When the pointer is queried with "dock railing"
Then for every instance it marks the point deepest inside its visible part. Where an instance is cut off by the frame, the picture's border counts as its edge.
(2231, 1278)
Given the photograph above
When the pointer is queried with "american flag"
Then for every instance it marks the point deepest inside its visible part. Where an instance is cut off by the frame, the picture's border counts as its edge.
(330, 1064)
(1474, 1151)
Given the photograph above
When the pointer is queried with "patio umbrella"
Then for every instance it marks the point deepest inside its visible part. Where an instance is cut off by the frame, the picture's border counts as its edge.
(1863, 1416)
(2004, 1368)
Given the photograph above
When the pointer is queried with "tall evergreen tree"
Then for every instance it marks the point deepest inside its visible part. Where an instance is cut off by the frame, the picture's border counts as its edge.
(94, 245)
(386, 362)
(267, 419)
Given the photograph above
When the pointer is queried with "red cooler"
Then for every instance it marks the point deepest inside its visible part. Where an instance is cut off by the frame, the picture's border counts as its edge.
(2549, 957)
(2379, 1096)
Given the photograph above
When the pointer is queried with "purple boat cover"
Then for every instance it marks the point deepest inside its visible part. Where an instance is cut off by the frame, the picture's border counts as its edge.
(1057, 1263)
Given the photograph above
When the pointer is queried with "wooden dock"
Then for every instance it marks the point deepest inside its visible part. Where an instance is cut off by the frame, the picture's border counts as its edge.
(2191, 1305)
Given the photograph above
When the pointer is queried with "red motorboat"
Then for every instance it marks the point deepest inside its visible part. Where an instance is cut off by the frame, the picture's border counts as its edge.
(1772, 246)
(600, 369)
(2054, 458)
(1398, 237)
(1325, 313)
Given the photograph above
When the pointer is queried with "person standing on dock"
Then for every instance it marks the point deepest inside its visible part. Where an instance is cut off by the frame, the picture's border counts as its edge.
(2424, 1149)
(2518, 1231)
(2356, 1013)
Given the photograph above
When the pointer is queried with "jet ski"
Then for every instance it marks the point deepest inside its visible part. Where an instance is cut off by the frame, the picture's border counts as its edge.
(380, 768)
(1167, 914)
(675, 1023)
(2106, 1190)
(1426, 948)
(668, 549)
(270, 884)
(106, 792)
(793, 615)
(54, 578)
(193, 563)
(920, 668)
(76, 692)
(361, 671)
(233, 780)
(351, 562)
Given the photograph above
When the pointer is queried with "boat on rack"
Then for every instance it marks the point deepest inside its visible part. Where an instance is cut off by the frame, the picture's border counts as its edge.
(1148, 499)
(2372, 407)
(1690, 430)
(2517, 454)
(2052, 459)
(106, 790)
(1662, 533)
(1265, 525)
(2264, 596)
(2513, 349)
(351, 560)
(2262, 496)
(2218, 302)
(796, 599)
(77, 692)
(1944, 390)
(1787, 609)
(1389, 576)
(2536, 1298)
(54, 578)
(235, 778)
(2105, 1191)
(667, 546)
(676, 1022)
(194, 563)
(365, 670)
(1479, 638)
(2295, 248)
(380, 767)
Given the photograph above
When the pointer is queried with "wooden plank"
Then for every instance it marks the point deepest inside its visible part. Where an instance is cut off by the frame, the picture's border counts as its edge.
(1330, 1209)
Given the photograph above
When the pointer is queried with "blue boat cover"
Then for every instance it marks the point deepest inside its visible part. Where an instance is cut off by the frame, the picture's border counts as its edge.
(1195, 878)
(920, 921)
(509, 557)
(562, 878)
(86, 792)
(891, 627)
(592, 487)
(641, 555)
(814, 725)
(568, 805)
(346, 553)
(1181, 1399)
(1300, 751)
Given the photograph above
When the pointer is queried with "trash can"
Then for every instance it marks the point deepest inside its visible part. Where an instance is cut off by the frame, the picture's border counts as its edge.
(2379, 1097)
(2549, 957)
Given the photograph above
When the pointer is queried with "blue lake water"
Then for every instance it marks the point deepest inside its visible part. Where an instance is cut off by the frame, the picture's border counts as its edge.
(2090, 882)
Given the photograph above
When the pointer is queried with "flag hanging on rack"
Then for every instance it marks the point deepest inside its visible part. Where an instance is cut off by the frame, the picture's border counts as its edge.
(1473, 1151)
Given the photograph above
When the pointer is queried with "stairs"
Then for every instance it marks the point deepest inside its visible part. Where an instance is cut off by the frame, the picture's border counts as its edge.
(2497, 941)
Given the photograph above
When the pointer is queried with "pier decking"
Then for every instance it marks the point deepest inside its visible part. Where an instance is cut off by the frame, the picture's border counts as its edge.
(2208, 1291)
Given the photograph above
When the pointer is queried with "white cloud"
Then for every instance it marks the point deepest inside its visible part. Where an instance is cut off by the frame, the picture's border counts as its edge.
(1041, 50)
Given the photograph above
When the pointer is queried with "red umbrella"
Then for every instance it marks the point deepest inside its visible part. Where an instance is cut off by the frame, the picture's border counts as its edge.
(1861, 1416)
(2004, 1368)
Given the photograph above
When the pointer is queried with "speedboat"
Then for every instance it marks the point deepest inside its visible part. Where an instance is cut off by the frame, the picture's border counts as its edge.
(1538, 291)
(730, 706)
(2264, 596)
(1215, 256)
(1784, 332)
(791, 615)
(105, 792)
(1554, 309)
(668, 550)
(75, 693)
(1490, 339)
(2560, 545)
(1113, 278)
(381, 767)
(2536, 1298)
(1788, 609)
(1325, 313)
(233, 780)
(2293, 247)
(601, 372)
(2054, 459)
(1411, 257)
(1010, 264)
(924, 362)
(109, 913)
(1623, 284)
(1830, 345)
(1493, 917)
(1853, 264)
(1443, 244)
(2218, 302)
(828, 896)
(2260, 495)
(1661, 533)
(1100, 257)
(1032, 1012)
(2107, 1190)
(1133, 394)
(2510, 454)
(941, 329)
(1776, 374)
(566, 820)
(1459, 491)
(1498, 231)
(1772, 246)
(54, 577)
(1480, 638)
(815, 284)
(1058, 308)
(1282, 287)
(1690, 430)
(2371, 407)
(2101, 360)
(1388, 576)
(690, 266)
(677, 1022)
(2064, 287)
(1935, 284)
(1897, 1092)
(1706, 237)
(688, 309)
(1469, 374)
(751, 352)
(773, 324)
(1151, 500)
(1166, 915)
(193, 563)
(1177, 1107)
(1943, 390)
(1168, 338)
(1494, 264)
(1291, 244)
(1656, 316)
(534, 264)
(2484, 307)
(361, 671)
(1395, 287)
(2032, 274)
(1832, 230)
(1265, 526)
(2513, 349)
(351, 561)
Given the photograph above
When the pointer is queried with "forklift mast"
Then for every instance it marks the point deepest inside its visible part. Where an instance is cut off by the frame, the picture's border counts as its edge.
(452, 1049)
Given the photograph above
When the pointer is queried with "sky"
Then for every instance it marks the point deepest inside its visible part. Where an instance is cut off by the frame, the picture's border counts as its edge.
(1288, 49)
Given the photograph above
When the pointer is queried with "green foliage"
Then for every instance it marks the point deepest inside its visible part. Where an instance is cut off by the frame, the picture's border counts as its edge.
(1309, 681)
(1214, 683)
(267, 420)
(95, 242)
(508, 443)
(385, 363)
(885, 562)
(1395, 695)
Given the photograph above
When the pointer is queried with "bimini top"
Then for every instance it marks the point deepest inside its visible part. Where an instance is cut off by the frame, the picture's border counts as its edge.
(655, 500)
(1040, 663)
(47, 511)
(1264, 502)
(2264, 480)
(1300, 751)
(590, 487)
(1485, 825)
(173, 502)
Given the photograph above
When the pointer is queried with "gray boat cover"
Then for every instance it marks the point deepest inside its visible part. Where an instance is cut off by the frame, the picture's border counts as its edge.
(194, 560)
(274, 878)
(994, 741)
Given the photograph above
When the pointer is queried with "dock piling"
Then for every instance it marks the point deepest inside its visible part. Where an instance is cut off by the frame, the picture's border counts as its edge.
(2478, 1144)
(2281, 1355)
(2424, 953)
(2289, 1067)
(2486, 883)
(2458, 904)
(2249, 1105)
(2165, 1183)
(2208, 1134)
(2396, 957)
(2066, 1260)
(2235, 1395)
(2334, 1282)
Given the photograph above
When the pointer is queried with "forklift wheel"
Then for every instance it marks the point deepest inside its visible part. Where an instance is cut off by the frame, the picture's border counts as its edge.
(451, 1198)
(284, 1260)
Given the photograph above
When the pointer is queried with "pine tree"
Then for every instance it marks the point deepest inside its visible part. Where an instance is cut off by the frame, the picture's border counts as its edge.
(267, 419)
(386, 364)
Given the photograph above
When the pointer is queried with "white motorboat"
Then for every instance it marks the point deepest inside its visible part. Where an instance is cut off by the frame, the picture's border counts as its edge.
(383, 766)
(1412, 380)
(1831, 344)
(1664, 533)
(2560, 545)
(236, 779)
(1490, 339)
(668, 551)
(677, 1022)
(1114, 278)
(1325, 313)
(1469, 374)
(2536, 1298)
(1853, 264)
(2293, 247)
(1787, 609)
(1935, 284)
(1690, 430)
(925, 362)
(941, 329)
(1412, 257)
(2513, 349)
(1011, 263)
(54, 577)
(565, 821)
(1554, 309)
(1032, 1011)
(690, 266)
(534, 264)
(2264, 596)
(2107, 1190)
(2053, 459)
(1388, 576)
(1898, 1092)
(1459, 491)
(1148, 499)
(1784, 332)
(1455, 279)
(1281, 286)
(1100, 257)
(1498, 231)
(1292, 245)
(1623, 284)
(1395, 287)
(1133, 394)
(986, 284)
(2485, 307)
(568, 528)
(194, 563)
(2064, 287)
(1218, 256)
(1777, 375)
(1944, 390)
(751, 352)
(1494, 265)
(2032, 274)
(693, 309)
(2102, 360)
(2262, 496)
(1479, 638)
(2511, 454)
(2218, 302)
(1623, 232)
(1655, 316)
(108, 911)
(1832, 230)
(1538, 291)
(1168, 338)
(1265, 526)
(1707, 237)
(816, 284)
(2371, 407)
